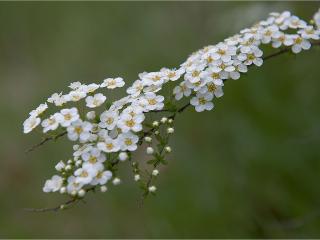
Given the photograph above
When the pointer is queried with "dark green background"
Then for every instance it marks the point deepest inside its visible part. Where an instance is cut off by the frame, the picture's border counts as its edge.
(250, 168)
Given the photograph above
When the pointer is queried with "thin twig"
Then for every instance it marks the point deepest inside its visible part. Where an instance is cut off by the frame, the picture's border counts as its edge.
(46, 140)
(62, 206)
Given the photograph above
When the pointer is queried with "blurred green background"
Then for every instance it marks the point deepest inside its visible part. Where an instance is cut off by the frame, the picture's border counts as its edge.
(248, 169)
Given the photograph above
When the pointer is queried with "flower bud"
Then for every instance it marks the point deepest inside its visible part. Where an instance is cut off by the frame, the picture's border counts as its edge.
(74, 193)
(164, 120)
(68, 168)
(155, 124)
(123, 156)
(103, 188)
(156, 133)
(63, 190)
(116, 181)
(137, 177)
(170, 120)
(170, 130)
(78, 163)
(168, 149)
(148, 139)
(60, 165)
(152, 189)
(91, 115)
(81, 193)
(155, 172)
(150, 150)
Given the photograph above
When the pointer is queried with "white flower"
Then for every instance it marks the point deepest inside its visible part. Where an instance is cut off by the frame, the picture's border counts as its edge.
(96, 100)
(85, 174)
(52, 123)
(128, 141)
(253, 56)
(93, 156)
(136, 88)
(30, 123)
(76, 95)
(53, 184)
(299, 44)
(239, 68)
(181, 90)
(212, 88)
(109, 145)
(202, 101)
(172, 74)
(89, 88)
(223, 51)
(193, 73)
(39, 110)
(134, 109)
(127, 122)
(73, 184)
(75, 85)
(60, 165)
(109, 119)
(68, 116)
(215, 74)
(57, 99)
(112, 83)
(123, 156)
(309, 33)
(79, 130)
(102, 177)
(268, 33)
(279, 39)
(153, 78)
(294, 22)
(151, 101)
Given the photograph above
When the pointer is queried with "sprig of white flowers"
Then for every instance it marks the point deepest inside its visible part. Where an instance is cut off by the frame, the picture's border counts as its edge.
(105, 134)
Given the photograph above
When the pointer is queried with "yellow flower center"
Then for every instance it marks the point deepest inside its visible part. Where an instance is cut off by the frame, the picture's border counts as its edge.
(251, 56)
(211, 87)
(298, 40)
(195, 73)
(202, 101)
(130, 123)
(156, 78)
(109, 146)
(92, 159)
(110, 120)
(215, 75)
(78, 130)
(128, 141)
(67, 117)
(221, 52)
(152, 101)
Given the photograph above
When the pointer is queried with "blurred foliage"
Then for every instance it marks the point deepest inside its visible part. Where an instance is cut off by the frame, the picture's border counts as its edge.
(250, 168)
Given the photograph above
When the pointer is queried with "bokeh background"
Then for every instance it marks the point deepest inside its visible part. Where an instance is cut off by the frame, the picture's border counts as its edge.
(248, 169)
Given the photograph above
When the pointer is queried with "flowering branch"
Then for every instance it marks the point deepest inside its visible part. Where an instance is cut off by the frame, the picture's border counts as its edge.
(108, 136)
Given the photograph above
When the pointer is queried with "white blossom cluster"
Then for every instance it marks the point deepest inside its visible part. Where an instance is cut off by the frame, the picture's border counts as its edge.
(207, 69)
(105, 134)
